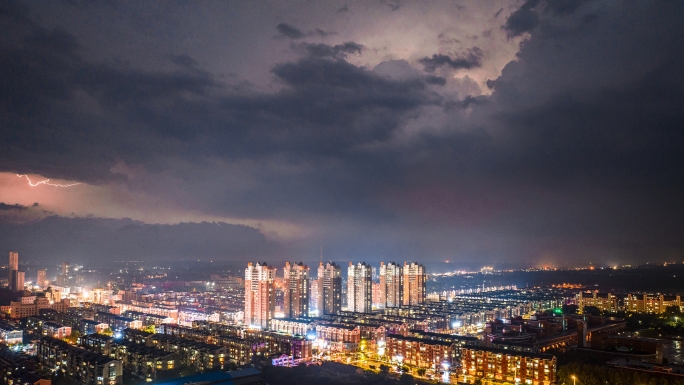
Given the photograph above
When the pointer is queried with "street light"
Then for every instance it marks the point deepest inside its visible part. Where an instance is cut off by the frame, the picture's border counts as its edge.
(573, 379)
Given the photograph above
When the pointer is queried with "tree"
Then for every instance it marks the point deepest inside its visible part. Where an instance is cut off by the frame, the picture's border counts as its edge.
(406, 379)
(150, 329)
(591, 310)
(384, 368)
(421, 372)
(405, 369)
(73, 337)
(673, 310)
(108, 332)
(570, 309)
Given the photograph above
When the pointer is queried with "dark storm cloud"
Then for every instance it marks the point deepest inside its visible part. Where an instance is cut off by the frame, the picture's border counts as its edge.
(292, 32)
(6, 207)
(289, 31)
(591, 130)
(327, 107)
(575, 156)
(393, 5)
(564, 7)
(184, 61)
(44, 69)
(339, 51)
(467, 60)
(93, 239)
(525, 19)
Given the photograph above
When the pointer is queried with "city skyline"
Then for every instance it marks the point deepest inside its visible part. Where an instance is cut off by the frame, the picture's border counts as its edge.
(134, 322)
(525, 133)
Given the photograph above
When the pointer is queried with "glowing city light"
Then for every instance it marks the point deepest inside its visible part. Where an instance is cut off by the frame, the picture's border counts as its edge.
(45, 182)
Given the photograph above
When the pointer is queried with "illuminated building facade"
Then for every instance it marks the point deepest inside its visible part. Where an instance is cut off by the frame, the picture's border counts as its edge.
(479, 362)
(651, 303)
(329, 288)
(413, 284)
(603, 301)
(421, 352)
(359, 287)
(259, 295)
(296, 301)
(12, 266)
(81, 366)
(18, 280)
(41, 279)
(21, 310)
(391, 287)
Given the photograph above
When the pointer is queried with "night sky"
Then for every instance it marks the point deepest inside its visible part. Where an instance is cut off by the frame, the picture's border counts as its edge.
(481, 132)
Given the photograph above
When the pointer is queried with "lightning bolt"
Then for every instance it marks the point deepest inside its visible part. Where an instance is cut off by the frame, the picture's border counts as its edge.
(45, 182)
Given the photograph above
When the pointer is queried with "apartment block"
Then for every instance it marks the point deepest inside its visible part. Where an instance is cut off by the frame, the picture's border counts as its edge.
(296, 290)
(84, 367)
(259, 295)
(479, 362)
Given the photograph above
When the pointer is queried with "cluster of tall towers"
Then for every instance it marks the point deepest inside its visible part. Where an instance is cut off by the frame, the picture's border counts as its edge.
(400, 286)
(260, 291)
(16, 279)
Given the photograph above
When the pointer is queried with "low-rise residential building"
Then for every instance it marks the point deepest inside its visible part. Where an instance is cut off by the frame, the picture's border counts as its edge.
(10, 334)
(18, 309)
(420, 352)
(199, 355)
(602, 301)
(85, 367)
(239, 351)
(149, 319)
(117, 322)
(479, 362)
(651, 303)
(269, 343)
(151, 308)
(19, 369)
(341, 337)
(293, 326)
(143, 361)
(42, 326)
(86, 326)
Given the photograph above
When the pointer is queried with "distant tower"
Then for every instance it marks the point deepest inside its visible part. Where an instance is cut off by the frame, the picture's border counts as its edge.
(329, 288)
(391, 291)
(259, 295)
(18, 280)
(12, 265)
(41, 279)
(65, 268)
(414, 284)
(296, 290)
(359, 287)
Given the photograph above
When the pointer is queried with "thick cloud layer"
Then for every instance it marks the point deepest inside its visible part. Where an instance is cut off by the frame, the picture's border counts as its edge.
(98, 239)
(571, 155)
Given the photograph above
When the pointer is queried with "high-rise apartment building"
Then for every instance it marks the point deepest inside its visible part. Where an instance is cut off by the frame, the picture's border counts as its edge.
(63, 279)
(329, 288)
(359, 287)
(259, 294)
(12, 265)
(313, 295)
(18, 280)
(391, 285)
(41, 278)
(296, 290)
(413, 284)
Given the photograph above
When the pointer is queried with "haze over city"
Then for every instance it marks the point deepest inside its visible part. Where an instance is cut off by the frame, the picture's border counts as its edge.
(499, 133)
